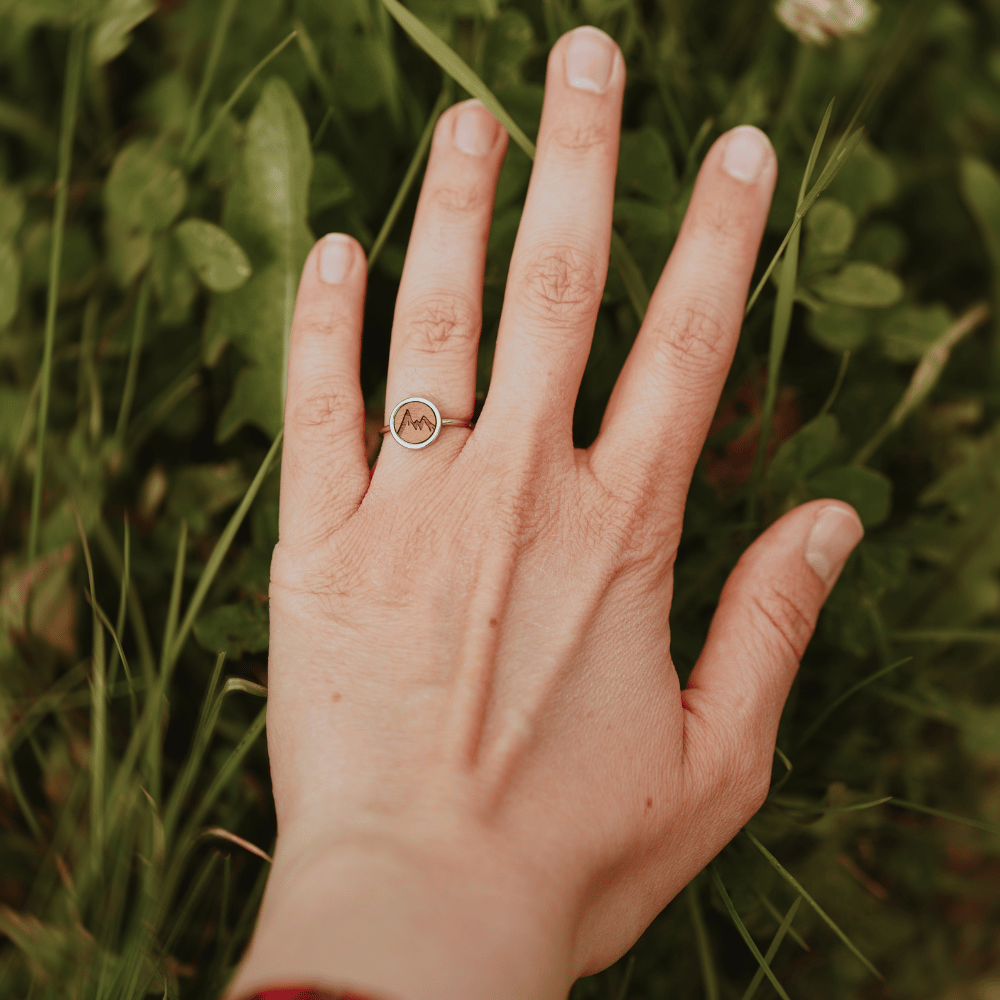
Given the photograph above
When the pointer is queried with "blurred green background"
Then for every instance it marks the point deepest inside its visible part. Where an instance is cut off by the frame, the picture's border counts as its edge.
(164, 168)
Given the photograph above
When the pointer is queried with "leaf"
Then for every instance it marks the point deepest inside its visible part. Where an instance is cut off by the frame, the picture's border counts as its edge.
(860, 284)
(829, 228)
(10, 282)
(173, 282)
(266, 210)
(144, 190)
(882, 243)
(908, 332)
(234, 629)
(645, 166)
(981, 190)
(330, 184)
(200, 491)
(840, 328)
(866, 181)
(213, 254)
(12, 207)
(128, 249)
(111, 34)
(867, 491)
(806, 450)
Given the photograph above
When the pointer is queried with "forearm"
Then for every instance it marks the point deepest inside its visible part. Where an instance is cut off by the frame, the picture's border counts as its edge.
(387, 926)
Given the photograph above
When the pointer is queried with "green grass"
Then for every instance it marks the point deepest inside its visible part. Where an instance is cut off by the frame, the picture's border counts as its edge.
(138, 477)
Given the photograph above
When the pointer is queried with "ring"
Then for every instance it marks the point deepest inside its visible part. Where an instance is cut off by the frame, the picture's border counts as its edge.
(416, 422)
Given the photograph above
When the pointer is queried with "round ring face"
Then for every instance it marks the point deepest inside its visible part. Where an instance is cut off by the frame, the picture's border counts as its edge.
(415, 422)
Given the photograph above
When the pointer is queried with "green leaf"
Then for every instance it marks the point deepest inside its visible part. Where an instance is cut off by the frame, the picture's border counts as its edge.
(200, 491)
(214, 255)
(111, 34)
(981, 190)
(829, 229)
(266, 211)
(882, 243)
(128, 249)
(867, 491)
(144, 190)
(806, 450)
(908, 332)
(11, 211)
(173, 281)
(866, 181)
(840, 328)
(860, 284)
(330, 184)
(234, 629)
(10, 282)
(645, 166)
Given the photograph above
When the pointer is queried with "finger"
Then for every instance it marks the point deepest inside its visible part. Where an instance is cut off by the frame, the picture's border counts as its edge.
(669, 387)
(439, 307)
(324, 471)
(560, 257)
(765, 618)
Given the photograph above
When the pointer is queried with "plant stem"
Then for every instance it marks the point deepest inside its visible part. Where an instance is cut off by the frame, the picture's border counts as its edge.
(704, 946)
(135, 352)
(71, 99)
(226, 10)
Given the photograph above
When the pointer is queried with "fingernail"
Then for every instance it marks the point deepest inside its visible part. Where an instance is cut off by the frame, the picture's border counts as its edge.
(746, 153)
(475, 129)
(590, 59)
(831, 541)
(335, 258)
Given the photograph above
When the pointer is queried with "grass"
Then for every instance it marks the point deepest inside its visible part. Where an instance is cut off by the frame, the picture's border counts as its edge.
(135, 813)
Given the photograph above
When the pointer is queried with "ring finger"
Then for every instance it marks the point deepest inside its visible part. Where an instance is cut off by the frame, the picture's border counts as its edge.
(435, 336)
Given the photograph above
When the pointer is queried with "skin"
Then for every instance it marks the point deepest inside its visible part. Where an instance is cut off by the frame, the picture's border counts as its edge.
(488, 780)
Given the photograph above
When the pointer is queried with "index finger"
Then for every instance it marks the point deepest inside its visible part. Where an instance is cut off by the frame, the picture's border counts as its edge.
(669, 387)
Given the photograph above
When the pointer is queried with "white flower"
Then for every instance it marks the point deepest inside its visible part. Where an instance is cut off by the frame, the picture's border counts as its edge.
(815, 22)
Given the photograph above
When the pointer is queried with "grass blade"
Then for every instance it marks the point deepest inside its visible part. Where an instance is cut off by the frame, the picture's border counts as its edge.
(773, 910)
(203, 143)
(71, 98)
(807, 807)
(173, 609)
(765, 968)
(99, 611)
(635, 285)
(986, 635)
(849, 693)
(925, 377)
(838, 382)
(773, 950)
(456, 67)
(98, 716)
(941, 814)
(226, 11)
(217, 831)
(135, 352)
(444, 99)
(708, 977)
(115, 559)
(627, 978)
(820, 912)
(221, 548)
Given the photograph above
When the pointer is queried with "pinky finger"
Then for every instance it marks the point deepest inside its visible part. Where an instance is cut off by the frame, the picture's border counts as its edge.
(324, 471)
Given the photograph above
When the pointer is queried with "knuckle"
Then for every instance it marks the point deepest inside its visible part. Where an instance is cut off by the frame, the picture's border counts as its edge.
(560, 286)
(782, 618)
(442, 322)
(691, 340)
(324, 407)
(461, 199)
(583, 139)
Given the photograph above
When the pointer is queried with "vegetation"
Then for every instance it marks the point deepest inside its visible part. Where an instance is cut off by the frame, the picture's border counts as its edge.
(164, 168)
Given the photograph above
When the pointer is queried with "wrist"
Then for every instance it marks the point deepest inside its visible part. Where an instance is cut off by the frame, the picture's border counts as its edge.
(393, 921)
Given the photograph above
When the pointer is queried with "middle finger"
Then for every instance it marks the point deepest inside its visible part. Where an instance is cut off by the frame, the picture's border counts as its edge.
(560, 258)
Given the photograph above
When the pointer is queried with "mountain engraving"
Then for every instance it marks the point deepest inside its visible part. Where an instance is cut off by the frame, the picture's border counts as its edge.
(416, 424)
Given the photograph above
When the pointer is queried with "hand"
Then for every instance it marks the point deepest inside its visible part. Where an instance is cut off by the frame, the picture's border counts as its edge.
(488, 780)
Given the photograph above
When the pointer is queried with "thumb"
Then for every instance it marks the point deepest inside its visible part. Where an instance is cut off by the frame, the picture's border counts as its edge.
(764, 620)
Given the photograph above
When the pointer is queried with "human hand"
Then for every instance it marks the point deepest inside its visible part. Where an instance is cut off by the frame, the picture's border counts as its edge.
(488, 780)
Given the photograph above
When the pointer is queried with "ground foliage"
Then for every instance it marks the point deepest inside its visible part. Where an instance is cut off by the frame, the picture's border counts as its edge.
(201, 149)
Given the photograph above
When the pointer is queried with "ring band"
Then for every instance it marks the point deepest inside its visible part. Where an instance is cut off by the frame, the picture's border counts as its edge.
(416, 422)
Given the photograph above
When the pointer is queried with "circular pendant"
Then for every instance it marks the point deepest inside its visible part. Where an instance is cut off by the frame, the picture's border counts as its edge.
(415, 422)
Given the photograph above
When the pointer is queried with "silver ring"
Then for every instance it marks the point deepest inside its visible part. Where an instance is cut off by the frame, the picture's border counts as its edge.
(416, 422)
